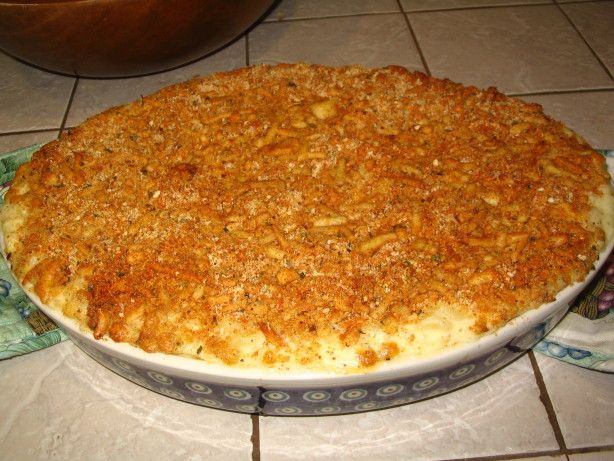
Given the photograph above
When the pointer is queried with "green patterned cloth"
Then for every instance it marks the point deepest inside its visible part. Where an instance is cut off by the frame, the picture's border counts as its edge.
(585, 337)
(23, 327)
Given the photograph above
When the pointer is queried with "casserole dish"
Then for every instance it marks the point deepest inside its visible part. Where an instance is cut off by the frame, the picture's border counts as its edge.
(274, 394)
(196, 382)
(317, 259)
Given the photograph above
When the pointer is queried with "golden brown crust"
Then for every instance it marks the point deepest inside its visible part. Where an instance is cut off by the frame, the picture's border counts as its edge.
(303, 202)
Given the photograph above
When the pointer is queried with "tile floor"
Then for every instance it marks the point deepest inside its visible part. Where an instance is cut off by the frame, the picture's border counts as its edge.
(58, 404)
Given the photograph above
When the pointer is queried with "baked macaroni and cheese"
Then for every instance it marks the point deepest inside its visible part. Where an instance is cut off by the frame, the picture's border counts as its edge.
(302, 217)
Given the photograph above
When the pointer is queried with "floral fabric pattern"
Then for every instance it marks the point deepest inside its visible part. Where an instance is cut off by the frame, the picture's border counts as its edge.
(23, 327)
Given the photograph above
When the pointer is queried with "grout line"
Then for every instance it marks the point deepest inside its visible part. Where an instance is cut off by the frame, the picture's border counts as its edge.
(534, 454)
(545, 399)
(597, 449)
(603, 66)
(415, 39)
(332, 16)
(481, 7)
(528, 455)
(555, 92)
(581, 2)
(247, 49)
(431, 10)
(70, 99)
(41, 130)
(563, 450)
(255, 439)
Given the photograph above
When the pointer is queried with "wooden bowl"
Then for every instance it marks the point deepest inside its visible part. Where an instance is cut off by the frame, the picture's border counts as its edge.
(119, 38)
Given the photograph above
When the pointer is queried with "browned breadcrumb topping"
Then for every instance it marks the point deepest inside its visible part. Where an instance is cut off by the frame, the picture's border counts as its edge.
(302, 201)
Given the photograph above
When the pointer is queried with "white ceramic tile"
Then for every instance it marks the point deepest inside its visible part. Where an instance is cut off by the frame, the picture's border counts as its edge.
(594, 21)
(377, 40)
(591, 115)
(59, 404)
(594, 456)
(298, 9)
(15, 141)
(419, 5)
(517, 49)
(583, 401)
(31, 99)
(499, 415)
(93, 95)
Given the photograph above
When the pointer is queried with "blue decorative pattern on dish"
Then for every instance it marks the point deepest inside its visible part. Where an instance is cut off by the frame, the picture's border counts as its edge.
(323, 400)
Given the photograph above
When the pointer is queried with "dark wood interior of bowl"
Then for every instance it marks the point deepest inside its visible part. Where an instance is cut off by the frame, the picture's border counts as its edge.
(109, 38)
